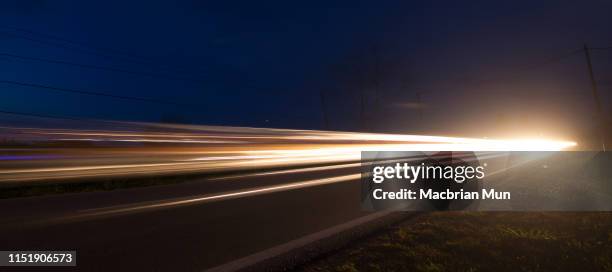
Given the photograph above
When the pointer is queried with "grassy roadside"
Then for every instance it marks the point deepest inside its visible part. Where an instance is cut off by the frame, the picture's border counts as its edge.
(482, 241)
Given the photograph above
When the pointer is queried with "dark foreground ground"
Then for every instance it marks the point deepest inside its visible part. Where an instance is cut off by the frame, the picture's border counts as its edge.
(482, 241)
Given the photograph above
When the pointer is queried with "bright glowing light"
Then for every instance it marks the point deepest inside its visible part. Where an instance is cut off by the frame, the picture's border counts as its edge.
(178, 149)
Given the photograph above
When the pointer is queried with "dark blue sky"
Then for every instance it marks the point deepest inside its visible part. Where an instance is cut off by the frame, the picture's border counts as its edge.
(257, 63)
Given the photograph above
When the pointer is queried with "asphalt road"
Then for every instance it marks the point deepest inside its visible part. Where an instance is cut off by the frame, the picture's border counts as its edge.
(179, 237)
(203, 223)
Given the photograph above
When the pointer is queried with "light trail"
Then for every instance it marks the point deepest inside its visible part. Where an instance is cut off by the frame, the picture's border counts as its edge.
(172, 203)
(231, 195)
(351, 165)
(168, 203)
(290, 171)
(136, 149)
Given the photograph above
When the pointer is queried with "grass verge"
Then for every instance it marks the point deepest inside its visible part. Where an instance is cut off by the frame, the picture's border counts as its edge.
(482, 241)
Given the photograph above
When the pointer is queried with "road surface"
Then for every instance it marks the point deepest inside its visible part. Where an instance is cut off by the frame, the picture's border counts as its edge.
(178, 237)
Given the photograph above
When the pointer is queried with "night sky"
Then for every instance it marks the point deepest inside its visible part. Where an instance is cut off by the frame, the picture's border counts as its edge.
(477, 68)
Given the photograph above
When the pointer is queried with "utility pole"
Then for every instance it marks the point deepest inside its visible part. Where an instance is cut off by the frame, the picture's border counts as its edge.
(600, 116)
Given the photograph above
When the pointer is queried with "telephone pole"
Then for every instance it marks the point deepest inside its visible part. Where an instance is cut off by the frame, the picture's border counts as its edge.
(600, 116)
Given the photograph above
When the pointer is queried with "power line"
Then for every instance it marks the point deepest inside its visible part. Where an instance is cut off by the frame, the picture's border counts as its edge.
(180, 77)
(57, 117)
(554, 59)
(90, 66)
(73, 48)
(106, 52)
(41, 115)
(112, 69)
(78, 43)
(525, 68)
(545, 62)
(93, 93)
(601, 48)
(95, 52)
